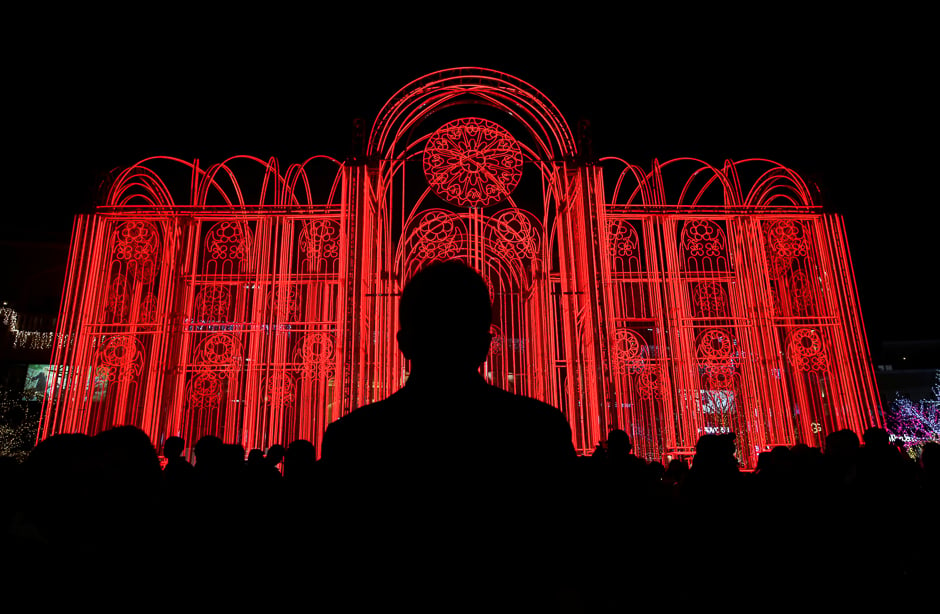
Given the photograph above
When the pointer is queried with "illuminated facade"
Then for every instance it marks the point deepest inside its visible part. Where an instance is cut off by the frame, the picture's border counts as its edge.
(259, 303)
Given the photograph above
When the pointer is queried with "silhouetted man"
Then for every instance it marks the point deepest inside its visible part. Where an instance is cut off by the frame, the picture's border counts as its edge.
(460, 478)
(446, 420)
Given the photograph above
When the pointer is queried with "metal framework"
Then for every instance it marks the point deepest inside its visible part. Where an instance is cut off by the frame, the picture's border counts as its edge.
(683, 300)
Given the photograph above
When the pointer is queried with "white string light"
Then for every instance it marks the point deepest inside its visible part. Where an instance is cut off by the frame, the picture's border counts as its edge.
(25, 339)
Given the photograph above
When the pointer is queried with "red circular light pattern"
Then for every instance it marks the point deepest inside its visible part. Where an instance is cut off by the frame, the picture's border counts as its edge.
(472, 162)
(807, 351)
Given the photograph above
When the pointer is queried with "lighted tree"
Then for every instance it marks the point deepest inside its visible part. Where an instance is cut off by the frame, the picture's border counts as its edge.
(18, 425)
(916, 423)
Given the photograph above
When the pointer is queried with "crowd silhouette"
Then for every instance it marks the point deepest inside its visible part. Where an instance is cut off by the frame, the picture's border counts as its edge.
(417, 502)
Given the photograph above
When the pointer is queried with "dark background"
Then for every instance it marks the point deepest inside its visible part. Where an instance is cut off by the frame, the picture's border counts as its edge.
(841, 98)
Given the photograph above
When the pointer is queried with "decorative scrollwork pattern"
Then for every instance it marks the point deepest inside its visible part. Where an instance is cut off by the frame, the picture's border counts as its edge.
(285, 301)
(650, 381)
(472, 162)
(279, 390)
(438, 236)
(120, 357)
(624, 241)
(227, 241)
(319, 243)
(807, 351)
(717, 353)
(205, 391)
(702, 238)
(516, 236)
(315, 354)
(785, 243)
(630, 351)
(220, 351)
(137, 245)
(212, 303)
(708, 298)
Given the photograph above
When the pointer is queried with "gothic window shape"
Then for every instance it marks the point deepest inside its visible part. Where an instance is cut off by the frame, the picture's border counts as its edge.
(227, 245)
(709, 300)
(623, 246)
(785, 242)
(806, 350)
(204, 400)
(703, 247)
(136, 245)
(472, 162)
(319, 246)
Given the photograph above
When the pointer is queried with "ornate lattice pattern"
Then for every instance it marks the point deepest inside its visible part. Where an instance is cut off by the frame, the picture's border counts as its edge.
(472, 162)
(213, 303)
(315, 354)
(717, 354)
(279, 390)
(228, 241)
(807, 351)
(137, 245)
(624, 241)
(785, 243)
(285, 301)
(703, 246)
(438, 237)
(629, 351)
(709, 300)
(319, 244)
(220, 351)
(120, 357)
(516, 236)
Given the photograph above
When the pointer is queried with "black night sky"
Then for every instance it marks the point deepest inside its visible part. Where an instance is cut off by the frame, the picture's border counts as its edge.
(841, 99)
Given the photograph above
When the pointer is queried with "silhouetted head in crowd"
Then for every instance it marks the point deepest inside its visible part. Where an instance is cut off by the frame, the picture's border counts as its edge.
(275, 455)
(875, 437)
(842, 444)
(209, 452)
(618, 443)
(445, 315)
(173, 447)
(127, 455)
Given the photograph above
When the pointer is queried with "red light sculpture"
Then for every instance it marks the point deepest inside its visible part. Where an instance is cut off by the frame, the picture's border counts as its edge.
(726, 305)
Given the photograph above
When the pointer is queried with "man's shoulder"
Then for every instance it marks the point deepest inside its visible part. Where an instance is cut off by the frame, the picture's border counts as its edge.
(365, 416)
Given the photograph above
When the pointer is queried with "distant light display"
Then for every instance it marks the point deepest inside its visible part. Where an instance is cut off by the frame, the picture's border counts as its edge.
(259, 303)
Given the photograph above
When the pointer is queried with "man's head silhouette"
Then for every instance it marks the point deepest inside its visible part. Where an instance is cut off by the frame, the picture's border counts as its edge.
(445, 314)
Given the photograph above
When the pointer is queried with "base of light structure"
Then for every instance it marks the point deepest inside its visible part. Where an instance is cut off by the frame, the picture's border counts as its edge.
(717, 308)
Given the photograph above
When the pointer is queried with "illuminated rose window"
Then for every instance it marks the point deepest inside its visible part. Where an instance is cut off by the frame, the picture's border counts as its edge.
(472, 162)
